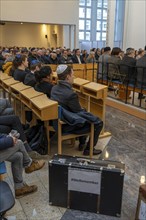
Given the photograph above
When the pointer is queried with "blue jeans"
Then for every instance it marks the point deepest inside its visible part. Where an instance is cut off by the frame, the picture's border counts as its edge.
(19, 159)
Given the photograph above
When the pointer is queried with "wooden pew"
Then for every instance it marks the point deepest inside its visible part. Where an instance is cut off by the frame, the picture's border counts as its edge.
(6, 85)
(26, 96)
(97, 95)
(79, 70)
(46, 109)
(15, 93)
(77, 86)
(91, 72)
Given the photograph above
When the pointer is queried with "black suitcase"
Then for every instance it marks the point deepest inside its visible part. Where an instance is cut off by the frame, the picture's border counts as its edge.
(87, 185)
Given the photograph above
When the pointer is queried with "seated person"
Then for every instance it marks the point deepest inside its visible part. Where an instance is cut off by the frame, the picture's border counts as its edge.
(12, 122)
(128, 64)
(113, 62)
(5, 107)
(44, 80)
(30, 79)
(103, 60)
(68, 99)
(91, 57)
(53, 59)
(13, 150)
(20, 63)
(64, 59)
(77, 57)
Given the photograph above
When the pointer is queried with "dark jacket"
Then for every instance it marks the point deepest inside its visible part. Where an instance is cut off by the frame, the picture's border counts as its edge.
(66, 96)
(19, 75)
(44, 87)
(75, 59)
(52, 61)
(79, 118)
(5, 141)
(65, 60)
(30, 79)
(141, 72)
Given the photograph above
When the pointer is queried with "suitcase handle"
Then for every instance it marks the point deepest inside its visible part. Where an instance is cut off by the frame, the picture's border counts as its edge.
(84, 161)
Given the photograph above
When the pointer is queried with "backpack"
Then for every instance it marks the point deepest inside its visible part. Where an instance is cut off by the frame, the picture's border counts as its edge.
(37, 139)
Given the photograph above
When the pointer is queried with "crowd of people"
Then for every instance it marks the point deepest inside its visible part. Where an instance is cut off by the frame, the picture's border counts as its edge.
(26, 66)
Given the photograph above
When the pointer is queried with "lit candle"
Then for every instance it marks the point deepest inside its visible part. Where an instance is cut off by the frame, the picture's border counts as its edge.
(142, 179)
(106, 154)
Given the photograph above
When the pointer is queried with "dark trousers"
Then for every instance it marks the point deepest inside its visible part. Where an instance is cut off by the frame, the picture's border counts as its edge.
(9, 122)
(98, 125)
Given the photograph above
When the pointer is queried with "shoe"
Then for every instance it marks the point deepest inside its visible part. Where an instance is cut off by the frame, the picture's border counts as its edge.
(95, 152)
(35, 165)
(25, 190)
(36, 156)
(81, 147)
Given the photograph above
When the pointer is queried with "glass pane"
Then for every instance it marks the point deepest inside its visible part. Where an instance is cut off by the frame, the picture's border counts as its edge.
(104, 36)
(98, 13)
(88, 13)
(81, 12)
(82, 2)
(98, 35)
(81, 24)
(88, 2)
(98, 27)
(104, 24)
(81, 35)
(104, 14)
(88, 25)
(105, 4)
(99, 3)
(87, 35)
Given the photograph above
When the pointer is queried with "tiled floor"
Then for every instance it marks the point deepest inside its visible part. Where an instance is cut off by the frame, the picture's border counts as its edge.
(127, 144)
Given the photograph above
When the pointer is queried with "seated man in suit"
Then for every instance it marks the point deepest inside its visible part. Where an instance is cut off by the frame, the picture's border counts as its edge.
(77, 57)
(68, 99)
(13, 150)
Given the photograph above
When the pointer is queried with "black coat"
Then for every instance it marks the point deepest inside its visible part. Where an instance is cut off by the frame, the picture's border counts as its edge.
(66, 96)
(19, 75)
(30, 79)
(44, 87)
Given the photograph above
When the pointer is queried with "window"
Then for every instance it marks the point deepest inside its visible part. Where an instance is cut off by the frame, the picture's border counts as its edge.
(81, 35)
(88, 13)
(104, 14)
(104, 24)
(99, 3)
(98, 28)
(88, 25)
(88, 2)
(98, 13)
(81, 12)
(82, 2)
(98, 36)
(81, 24)
(88, 36)
(92, 20)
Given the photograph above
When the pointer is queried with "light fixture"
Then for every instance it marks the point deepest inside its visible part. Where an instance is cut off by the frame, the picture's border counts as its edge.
(21, 23)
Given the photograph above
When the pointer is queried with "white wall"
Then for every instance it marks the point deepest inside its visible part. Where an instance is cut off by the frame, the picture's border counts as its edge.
(135, 24)
(111, 23)
(43, 12)
(48, 11)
